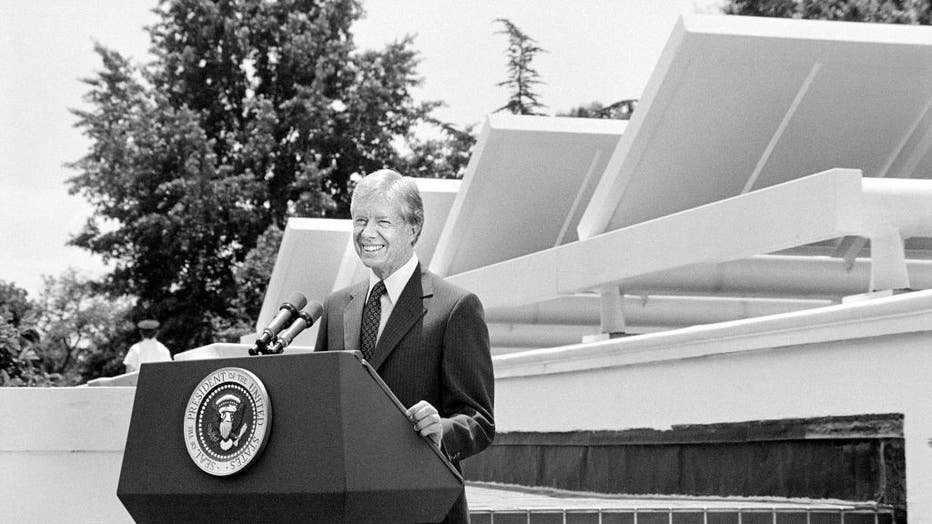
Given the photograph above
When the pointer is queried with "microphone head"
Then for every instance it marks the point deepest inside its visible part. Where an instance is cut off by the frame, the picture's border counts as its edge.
(312, 312)
(295, 300)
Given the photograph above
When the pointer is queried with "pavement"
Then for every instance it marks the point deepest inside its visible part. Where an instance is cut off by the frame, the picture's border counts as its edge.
(492, 497)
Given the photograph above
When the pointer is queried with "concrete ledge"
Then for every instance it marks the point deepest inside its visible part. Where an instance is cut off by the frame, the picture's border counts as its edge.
(65, 419)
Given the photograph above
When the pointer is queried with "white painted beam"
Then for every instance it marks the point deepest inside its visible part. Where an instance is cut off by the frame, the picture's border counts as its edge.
(901, 203)
(774, 276)
(537, 335)
(823, 206)
(656, 311)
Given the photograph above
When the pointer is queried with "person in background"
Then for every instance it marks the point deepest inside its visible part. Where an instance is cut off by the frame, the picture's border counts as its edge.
(148, 349)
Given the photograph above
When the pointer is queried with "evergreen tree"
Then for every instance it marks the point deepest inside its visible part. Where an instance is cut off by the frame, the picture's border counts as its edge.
(522, 77)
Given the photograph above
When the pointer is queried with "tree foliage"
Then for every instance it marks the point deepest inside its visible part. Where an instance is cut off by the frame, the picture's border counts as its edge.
(251, 276)
(18, 362)
(444, 157)
(522, 76)
(250, 112)
(71, 334)
(886, 11)
(15, 306)
(78, 322)
(621, 110)
(18, 365)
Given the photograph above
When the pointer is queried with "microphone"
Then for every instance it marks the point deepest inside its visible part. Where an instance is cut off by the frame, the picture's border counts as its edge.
(306, 319)
(286, 312)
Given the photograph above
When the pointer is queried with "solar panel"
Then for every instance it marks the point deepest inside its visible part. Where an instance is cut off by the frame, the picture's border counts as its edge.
(526, 186)
(742, 103)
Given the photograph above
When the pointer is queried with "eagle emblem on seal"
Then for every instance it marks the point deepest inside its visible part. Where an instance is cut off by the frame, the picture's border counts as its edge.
(228, 426)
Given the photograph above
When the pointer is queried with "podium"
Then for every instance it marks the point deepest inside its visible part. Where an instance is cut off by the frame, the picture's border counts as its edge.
(339, 448)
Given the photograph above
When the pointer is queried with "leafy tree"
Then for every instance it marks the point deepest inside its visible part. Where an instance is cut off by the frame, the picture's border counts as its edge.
(522, 77)
(18, 362)
(15, 306)
(76, 322)
(252, 276)
(620, 110)
(250, 112)
(444, 157)
(888, 11)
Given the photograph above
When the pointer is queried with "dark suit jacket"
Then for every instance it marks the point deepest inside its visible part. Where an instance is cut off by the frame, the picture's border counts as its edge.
(434, 347)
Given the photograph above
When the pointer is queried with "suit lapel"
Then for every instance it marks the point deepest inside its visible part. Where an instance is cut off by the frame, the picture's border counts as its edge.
(411, 306)
(352, 316)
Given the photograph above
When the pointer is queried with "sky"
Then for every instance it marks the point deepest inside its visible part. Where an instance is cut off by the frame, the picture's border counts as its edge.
(596, 50)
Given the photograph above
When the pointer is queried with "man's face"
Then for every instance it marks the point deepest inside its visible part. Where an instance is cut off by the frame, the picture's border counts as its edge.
(383, 240)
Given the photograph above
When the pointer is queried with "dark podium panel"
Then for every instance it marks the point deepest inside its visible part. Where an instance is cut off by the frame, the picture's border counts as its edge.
(340, 449)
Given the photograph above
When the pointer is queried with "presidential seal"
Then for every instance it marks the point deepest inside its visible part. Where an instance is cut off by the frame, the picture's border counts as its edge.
(227, 421)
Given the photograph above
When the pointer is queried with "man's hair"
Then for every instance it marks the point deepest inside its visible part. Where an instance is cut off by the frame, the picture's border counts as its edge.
(395, 188)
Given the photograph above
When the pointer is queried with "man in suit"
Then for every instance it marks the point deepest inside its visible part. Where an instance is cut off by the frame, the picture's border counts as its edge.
(426, 338)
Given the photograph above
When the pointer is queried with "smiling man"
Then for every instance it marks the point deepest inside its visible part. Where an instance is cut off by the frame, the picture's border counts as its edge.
(426, 338)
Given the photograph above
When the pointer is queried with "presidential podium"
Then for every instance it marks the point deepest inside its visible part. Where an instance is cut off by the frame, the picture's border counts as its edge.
(337, 445)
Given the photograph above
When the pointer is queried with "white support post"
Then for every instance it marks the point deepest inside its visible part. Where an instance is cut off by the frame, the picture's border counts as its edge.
(613, 314)
(888, 262)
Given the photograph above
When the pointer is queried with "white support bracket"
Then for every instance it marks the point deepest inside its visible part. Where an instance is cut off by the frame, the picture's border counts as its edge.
(612, 313)
(888, 262)
(893, 209)
(825, 206)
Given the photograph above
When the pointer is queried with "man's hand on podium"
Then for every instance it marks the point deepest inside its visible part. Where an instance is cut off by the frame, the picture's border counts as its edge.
(426, 421)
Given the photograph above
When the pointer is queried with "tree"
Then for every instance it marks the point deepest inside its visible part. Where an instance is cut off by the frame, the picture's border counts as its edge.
(522, 77)
(888, 11)
(252, 276)
(78, 322)
(18, 362)
(620, 110)
(15, 306)
(443, 157)
(250, 112)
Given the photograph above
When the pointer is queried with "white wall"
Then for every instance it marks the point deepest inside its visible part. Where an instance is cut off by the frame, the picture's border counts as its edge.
(60, 453)
(64, 445)
(872, 357)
